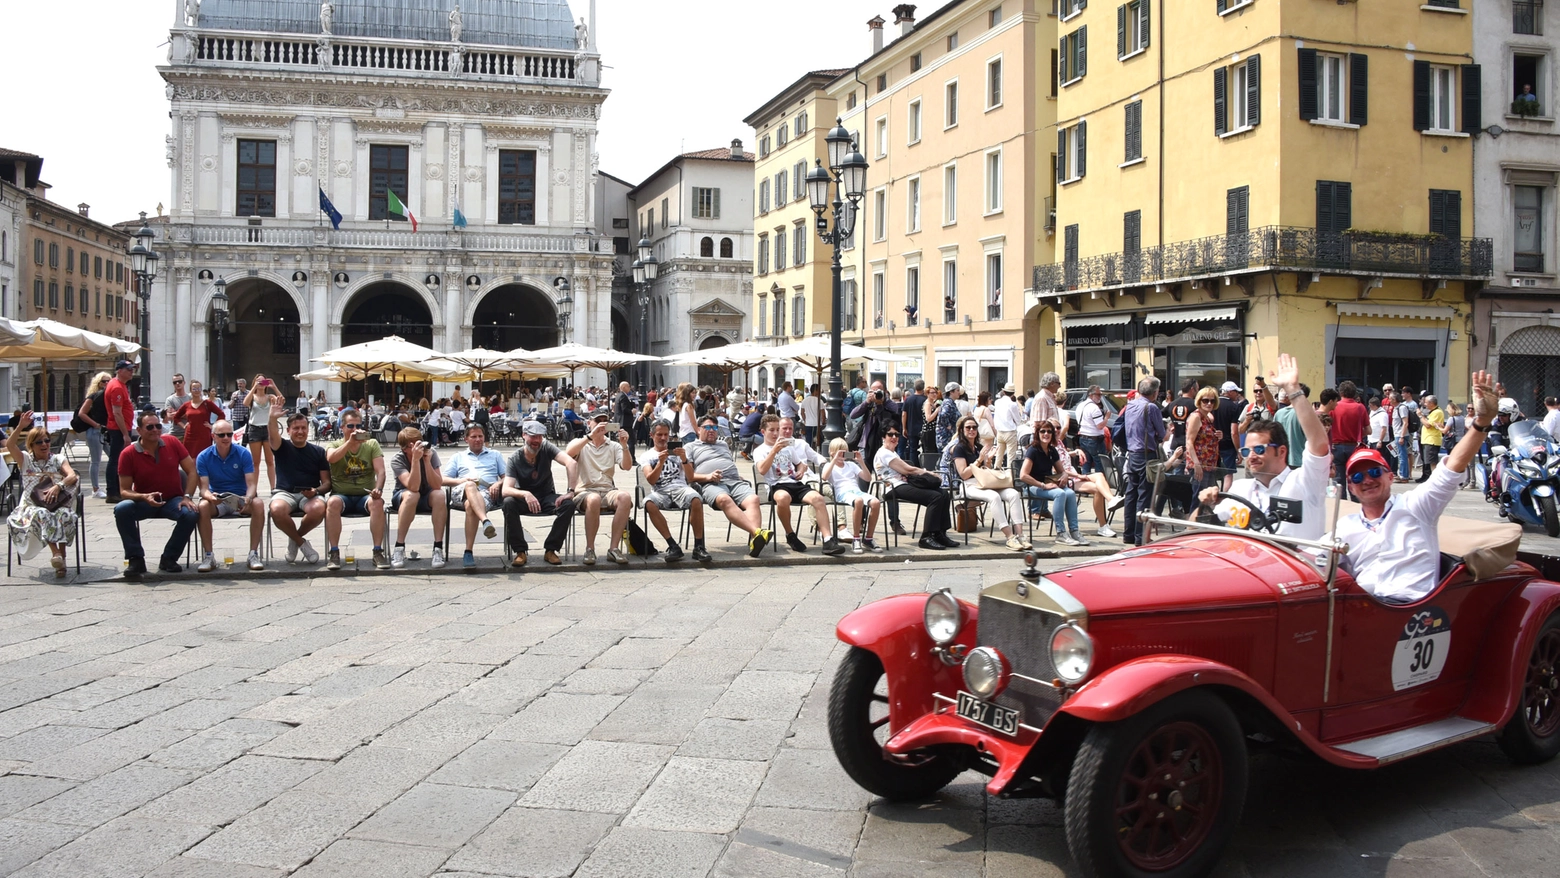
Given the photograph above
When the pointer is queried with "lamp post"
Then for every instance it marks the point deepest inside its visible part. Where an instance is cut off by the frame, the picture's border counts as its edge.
(143, 263)
(219, 318)
(848, 172)
(646, 267)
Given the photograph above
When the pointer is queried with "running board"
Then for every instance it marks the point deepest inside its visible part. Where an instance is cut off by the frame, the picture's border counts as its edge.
(1412, 741)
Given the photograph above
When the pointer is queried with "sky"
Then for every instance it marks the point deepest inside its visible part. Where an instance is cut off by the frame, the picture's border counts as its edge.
(84, 93)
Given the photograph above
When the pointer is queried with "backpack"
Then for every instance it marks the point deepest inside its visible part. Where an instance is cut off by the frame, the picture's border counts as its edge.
(1410, 420)
(1118, 429)
(637, 541)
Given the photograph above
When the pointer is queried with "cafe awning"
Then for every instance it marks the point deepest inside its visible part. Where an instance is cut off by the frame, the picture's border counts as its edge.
(1102, 318)
(1400, 312)
(1192, 315)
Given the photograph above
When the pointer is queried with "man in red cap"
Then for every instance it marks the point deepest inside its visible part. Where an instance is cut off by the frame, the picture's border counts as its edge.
(1394, 551)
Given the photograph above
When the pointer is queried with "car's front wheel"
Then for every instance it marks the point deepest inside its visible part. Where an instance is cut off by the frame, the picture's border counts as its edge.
(858, 728)
(1159, 793)
(1533, 734)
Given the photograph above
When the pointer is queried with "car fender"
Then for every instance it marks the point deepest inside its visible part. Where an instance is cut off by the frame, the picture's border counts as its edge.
(894, 629)
(1502, 669)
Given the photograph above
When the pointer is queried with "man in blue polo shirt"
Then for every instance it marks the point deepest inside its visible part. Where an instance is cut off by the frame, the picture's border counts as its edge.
(475, 481)
(227, 487)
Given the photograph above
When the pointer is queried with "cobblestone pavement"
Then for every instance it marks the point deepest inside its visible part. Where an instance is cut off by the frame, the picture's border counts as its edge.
(604, 723)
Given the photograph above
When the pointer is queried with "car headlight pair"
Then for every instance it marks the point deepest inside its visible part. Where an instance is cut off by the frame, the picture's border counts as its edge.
(986, 670)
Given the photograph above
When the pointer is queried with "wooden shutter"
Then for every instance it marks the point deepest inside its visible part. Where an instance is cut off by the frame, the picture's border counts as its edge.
(1421, 95)
(1061, 154)
(1134, 126)
(1080, 132)
(1236, 216)
(1446, 212)
(1055, 77)
(1070, 244)
(1333, 206)
(1308, 84)
(1219, 115)
(1067, 62)
(1143, 20)
(1222, 5)
(1083, 50)
(717, 204)
(1471, 98)
(1121, 32)
(1132, 231)
(1359, 91)
(1254, 90)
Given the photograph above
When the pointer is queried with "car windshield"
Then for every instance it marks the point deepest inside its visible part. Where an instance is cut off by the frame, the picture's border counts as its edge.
(1192, 497)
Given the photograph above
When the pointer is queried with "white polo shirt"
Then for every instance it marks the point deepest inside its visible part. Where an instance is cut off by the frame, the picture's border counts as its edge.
(1308, 485)
(1398, 557)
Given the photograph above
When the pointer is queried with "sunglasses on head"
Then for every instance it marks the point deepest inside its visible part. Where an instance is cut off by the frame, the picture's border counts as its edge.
(1359, 476)
(1260, 448)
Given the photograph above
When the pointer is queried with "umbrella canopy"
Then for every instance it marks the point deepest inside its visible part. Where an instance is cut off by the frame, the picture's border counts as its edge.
(337, 374)
(814, 353)
(13, 332)
(385, 354)
(50, 340)
(727, 358)
(480, 360)
(574, 355)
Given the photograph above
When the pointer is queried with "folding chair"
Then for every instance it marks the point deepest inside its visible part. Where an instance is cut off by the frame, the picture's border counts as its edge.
(766, 498)
(642, 490)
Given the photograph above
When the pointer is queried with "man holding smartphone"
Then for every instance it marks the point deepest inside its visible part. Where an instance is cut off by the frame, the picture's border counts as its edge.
(156, 475)
(357, 473)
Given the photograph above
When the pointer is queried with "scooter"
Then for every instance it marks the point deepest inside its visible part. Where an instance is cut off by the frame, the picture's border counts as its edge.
(1524, 480)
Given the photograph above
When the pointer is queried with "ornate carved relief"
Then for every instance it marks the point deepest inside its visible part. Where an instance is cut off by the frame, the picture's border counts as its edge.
(343, 169)
(581, 140)
(430, 103)
(474, 174)
(208, 163)
(256, 120)
(187, 147)
(435, 171)
(390, 126)
(303, 167)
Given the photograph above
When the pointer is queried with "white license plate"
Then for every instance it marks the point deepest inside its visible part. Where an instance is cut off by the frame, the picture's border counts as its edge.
(985, 713)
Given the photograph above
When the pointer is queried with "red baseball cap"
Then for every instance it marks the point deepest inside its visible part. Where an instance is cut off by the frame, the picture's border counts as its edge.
(1364, 456)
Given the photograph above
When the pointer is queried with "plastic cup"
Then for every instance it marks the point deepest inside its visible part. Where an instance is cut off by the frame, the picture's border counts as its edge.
(227, 557)
(349, 554)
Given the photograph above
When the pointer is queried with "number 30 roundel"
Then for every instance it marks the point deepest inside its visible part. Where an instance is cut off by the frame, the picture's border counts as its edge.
(1421, 649)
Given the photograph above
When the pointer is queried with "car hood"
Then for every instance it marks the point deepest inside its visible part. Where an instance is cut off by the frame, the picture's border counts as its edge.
(1189, 572)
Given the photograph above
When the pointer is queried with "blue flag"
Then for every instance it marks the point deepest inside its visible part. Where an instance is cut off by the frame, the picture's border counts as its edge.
(460, 218)
(330, 210)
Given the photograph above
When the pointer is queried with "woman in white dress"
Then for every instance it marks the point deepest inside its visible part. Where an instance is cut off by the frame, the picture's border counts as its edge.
(46, 513)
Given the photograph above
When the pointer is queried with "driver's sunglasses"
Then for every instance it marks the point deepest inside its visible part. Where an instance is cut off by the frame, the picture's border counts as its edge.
(1261, 448)
(1374, 472)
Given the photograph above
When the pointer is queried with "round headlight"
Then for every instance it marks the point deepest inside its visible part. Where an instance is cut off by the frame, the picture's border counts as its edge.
(944, 617)
(985, 672)
(1072, 653)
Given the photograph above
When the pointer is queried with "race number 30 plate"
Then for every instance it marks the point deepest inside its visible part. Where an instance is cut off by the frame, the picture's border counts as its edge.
(987, 714)
(1421, 649)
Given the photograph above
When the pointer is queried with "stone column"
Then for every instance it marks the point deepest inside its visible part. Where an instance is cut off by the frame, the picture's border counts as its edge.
(177, 346)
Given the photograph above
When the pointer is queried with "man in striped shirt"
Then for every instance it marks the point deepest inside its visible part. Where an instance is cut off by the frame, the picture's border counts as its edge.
(239, 411)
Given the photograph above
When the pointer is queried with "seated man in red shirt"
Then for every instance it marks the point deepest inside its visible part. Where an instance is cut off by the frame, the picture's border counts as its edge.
(156, 475)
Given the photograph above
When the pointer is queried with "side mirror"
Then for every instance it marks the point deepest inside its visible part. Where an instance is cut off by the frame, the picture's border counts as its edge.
(1497, 450)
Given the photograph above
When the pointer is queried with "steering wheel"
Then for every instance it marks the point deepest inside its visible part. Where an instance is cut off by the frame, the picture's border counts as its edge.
(1260, 521)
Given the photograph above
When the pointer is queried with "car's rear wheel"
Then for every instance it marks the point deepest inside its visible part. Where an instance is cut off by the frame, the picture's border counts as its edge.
(858, 728)
(1533, 734)
(1551, 517)
(1160, 793)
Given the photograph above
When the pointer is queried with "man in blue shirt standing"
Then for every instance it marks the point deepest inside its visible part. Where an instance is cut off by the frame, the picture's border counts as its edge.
(1145, 429)
(227, 487)
(475, 479)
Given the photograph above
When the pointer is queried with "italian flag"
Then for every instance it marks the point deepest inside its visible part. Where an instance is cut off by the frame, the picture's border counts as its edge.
(394, 205)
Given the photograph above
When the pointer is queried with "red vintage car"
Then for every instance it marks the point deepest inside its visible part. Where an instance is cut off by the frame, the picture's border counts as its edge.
(1130, 687)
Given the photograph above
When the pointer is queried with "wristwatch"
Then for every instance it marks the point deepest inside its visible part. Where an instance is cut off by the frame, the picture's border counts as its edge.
(1481, 428)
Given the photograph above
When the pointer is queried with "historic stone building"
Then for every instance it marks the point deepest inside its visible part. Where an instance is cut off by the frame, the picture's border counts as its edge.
(487, 114)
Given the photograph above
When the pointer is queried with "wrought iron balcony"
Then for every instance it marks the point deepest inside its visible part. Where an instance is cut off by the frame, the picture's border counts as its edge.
(1275, 248)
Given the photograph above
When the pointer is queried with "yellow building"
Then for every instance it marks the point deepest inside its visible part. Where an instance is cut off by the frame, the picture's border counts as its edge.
(955, 119)
(1240, 177)
(791, 268)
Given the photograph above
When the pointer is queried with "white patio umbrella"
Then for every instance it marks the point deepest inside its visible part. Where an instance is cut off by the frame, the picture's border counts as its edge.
(744, 357)
(573, 355)
(814, 353)
(337, 374)
(43, 340)
(392, 355)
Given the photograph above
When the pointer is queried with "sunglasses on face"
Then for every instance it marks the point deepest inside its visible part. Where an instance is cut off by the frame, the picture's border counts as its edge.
(223, 435)
(971, 427)
(1045, 431)
(1374, 472)
(1260, 448)
(890, 435)
(155, 428)
(1209, 402)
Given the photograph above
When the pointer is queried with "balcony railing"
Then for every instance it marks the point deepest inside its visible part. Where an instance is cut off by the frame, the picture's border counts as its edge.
(393, 239)
(403, 57)
(1280, 248)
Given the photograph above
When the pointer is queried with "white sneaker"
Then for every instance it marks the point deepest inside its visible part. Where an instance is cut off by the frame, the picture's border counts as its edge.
(207, 564)
(254, 561)
(397, 557)
(292, 552)
(1116, 502)
(309, 554)
(100, 494)
(438, 557)
(1078, 539)
(1105, 531)
(855, 547)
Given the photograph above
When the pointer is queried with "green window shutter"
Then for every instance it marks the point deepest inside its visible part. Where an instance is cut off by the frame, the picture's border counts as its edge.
(1254, 90)
(1121, 32)
(1235, 211)
(1083, 50)
(1421, 95)
(1359, 91)
(1143, 19)
(1219, 125)
(1061, 154)
(1065, 54)
(1080, 132)
(1472, 98)
(1222, 5)
(1308, 84)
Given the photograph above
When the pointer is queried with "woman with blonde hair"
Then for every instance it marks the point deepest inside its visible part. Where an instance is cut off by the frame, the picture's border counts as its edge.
(94, 415)
(1202, 436)
(46, 512)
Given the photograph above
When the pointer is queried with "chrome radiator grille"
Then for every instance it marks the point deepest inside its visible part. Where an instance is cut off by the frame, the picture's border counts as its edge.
(1023, 635)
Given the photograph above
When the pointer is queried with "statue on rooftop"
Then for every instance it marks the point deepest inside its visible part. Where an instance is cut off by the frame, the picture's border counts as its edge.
(455, 24)
(327, 16)
(192, 12)
(582, 35)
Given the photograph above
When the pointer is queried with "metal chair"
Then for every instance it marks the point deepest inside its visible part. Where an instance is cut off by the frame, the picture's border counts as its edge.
(81, 532)
(642, 490)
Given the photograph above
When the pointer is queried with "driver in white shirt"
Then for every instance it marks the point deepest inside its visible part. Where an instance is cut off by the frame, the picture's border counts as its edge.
(1394, 549)
(1265, 448)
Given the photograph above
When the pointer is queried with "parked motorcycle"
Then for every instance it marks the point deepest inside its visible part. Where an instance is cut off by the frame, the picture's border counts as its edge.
(1524, 478)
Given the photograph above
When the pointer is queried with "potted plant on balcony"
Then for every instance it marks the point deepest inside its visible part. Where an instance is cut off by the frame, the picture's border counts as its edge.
(1526, 104)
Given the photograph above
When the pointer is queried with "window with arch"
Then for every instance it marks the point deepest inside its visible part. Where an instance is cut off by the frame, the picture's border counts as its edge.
(725, 248)
(707, 247)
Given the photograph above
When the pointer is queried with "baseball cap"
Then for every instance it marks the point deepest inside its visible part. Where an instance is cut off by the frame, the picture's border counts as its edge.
(951, 386)
(1229, 386)
(600, 415)
(1362, 456)
(1283, 396)
(1009, 387)
(123, 364)
(534, 428)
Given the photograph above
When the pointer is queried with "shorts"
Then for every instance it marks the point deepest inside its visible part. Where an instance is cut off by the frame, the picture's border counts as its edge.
(608, 495)
(795, 490)
(257, 433)
(229, 505)
(424, 505)
(357, 505)
(849, 498)
(674, 497)
(738, 490)
(455, 497)
(294, 501)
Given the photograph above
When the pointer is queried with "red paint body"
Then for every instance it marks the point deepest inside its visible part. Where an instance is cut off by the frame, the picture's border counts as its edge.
(1235, 614)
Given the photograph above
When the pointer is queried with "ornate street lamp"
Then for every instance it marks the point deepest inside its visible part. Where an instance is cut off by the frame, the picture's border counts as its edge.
(219, 319)
(143, 263)
(847, 171)
(645, 270)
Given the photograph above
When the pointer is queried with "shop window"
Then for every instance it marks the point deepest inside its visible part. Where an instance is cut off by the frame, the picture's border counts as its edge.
(1528, 228)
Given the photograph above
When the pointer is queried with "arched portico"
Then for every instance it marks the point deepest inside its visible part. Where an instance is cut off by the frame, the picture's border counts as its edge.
(263, 337)
(514, 315)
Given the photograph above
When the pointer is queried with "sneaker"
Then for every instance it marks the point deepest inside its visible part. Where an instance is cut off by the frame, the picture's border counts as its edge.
(333, 559)
(833, 546)
(292, 552)
(617, 556)
(590, 556)
(1015, 544)
(1116, 502)
(438, 557)
(207, 564)
(701, 554)
(1106, 531)
(380, 561)
(872, 545)
(674, 553)
(398, 558)
(100, 494)
(254, 561)
(488, 530)
(468, 560)
(759, 540)
(795, 542)
(1078, 539)
(309, 554)
(135, 568)
(1065, 539)
(855, 547)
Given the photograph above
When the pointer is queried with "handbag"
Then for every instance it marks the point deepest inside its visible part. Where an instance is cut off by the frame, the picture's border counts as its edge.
(966, 518)
(61, 500)
(992, 480)
(924, 480)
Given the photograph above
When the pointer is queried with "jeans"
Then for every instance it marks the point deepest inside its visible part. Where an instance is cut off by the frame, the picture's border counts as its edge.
(1064, 506)
(116, 444)
(1405, 453)
(1094, 447)
(1137, 490)
(128, 515)
(1340, 456)
(95, 454)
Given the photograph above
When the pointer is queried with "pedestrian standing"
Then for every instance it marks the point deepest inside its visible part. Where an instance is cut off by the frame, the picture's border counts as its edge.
(121, 422)
(94, 415)
(1145, 429)
(176, 401)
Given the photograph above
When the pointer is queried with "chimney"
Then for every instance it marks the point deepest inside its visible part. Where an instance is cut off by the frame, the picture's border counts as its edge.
(736, 148)
(82, 208)
(876, 26)
(904, 16)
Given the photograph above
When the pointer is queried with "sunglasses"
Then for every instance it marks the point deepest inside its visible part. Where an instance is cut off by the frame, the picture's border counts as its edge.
(708, 426)
(155, 428)
(223, 435)
(1209, 402)
(178, 382)
(971, 427)
(1045, 431)
(1261, 448)
(890, 435)
(1374, 472)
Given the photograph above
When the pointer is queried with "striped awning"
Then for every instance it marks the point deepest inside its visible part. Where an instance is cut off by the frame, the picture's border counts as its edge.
(1191, 315)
